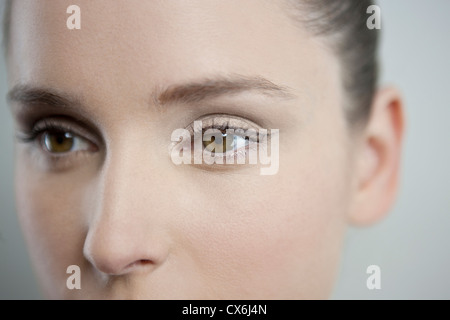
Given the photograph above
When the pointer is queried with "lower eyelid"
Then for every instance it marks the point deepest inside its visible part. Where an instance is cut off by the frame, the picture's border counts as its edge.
(48, 162)
(62, 163)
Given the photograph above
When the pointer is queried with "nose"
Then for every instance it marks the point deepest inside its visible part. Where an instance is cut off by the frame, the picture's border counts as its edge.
(116, 248)
(125, 232)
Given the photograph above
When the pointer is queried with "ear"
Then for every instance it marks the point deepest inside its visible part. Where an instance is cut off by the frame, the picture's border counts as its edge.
(378, 159)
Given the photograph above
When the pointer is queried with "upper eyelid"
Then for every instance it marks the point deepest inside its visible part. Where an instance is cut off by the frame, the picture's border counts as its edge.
(65, 125)
(215, 121)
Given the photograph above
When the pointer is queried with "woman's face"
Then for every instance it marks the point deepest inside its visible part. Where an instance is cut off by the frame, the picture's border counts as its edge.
(96, 185)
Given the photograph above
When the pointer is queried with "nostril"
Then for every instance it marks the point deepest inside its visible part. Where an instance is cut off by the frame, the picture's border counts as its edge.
(143, 263)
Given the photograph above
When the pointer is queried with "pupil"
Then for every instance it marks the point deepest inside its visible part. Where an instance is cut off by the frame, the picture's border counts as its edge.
(60, 139)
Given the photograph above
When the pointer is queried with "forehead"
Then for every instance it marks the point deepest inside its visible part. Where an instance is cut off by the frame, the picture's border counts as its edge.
(135, 43)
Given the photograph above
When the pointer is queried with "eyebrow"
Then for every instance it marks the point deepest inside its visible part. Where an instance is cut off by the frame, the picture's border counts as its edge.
(212, 88)
(188, 93)
(30, 95)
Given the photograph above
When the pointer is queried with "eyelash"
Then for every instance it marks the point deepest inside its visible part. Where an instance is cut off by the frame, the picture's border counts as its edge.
(221, 122)
(225, 124)
(35, 133)
(52, 160)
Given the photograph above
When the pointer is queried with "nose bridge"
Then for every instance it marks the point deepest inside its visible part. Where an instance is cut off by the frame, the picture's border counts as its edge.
(121, 179)
(124, 228)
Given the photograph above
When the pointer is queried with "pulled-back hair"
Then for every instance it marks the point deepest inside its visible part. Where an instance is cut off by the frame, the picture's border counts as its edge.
(343, 26)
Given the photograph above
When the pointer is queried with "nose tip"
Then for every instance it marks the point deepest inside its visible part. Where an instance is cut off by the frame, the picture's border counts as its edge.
(118, 260)
(113, 268)
(110, 263)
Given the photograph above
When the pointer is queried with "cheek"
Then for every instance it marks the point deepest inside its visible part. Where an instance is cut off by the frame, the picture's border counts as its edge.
(273, 236)
(51, 220)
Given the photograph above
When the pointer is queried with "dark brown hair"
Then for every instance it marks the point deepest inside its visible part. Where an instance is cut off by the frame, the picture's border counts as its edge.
(343, 26)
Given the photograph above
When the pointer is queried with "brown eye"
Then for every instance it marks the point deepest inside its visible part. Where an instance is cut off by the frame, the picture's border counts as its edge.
(59, 142)
(227, 143)
(230, 142)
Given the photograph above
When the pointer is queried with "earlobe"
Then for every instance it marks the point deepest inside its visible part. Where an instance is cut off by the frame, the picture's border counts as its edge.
(379, 159)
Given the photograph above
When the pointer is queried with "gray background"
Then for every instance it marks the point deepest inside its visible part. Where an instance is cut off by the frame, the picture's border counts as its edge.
(412, 245)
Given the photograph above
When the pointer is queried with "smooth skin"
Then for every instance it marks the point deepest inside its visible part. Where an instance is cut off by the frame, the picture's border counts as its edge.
(140, 227)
